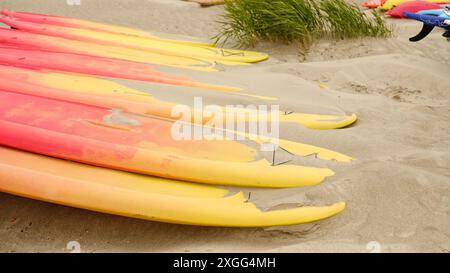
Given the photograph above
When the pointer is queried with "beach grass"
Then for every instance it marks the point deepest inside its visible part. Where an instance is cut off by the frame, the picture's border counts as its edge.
(247, 22)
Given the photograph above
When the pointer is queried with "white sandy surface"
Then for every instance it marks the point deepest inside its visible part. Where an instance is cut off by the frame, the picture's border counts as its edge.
(397, 190)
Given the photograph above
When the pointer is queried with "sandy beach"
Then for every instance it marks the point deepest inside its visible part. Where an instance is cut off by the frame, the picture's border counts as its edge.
(397, 189)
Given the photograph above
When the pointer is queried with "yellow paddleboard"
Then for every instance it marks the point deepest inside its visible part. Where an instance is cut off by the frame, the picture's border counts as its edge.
(85, 24)
(107, 93)
(154, 46)
(149, 198)
(389, 4)
(100, 92)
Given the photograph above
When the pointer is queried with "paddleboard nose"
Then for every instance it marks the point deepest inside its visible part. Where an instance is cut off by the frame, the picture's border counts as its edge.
(391, 13)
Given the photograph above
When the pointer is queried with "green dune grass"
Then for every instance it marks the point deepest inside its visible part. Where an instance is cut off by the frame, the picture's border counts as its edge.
(248, 21)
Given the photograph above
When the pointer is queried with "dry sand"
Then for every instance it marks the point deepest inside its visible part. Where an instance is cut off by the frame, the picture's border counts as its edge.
(397, 191)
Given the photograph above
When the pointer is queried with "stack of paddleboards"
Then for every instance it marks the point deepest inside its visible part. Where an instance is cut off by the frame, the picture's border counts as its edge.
(72, 135)
(432, 13)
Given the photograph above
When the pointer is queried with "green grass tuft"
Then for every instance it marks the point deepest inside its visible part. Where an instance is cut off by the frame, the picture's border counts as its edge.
(249, 21)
